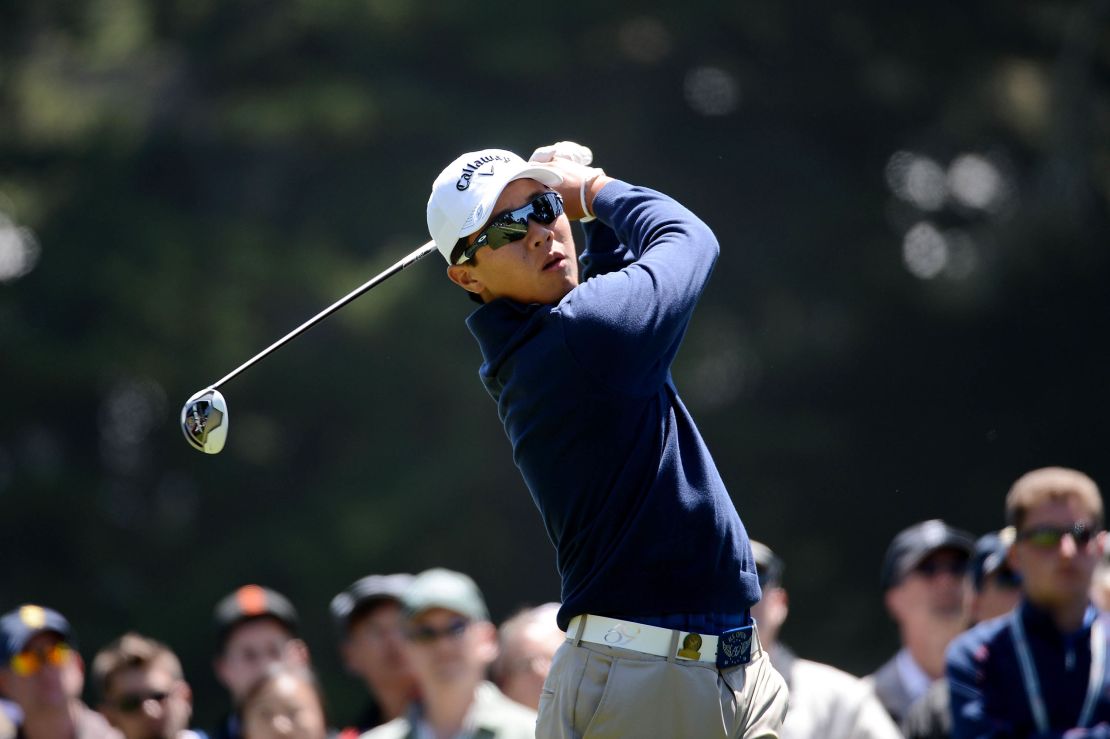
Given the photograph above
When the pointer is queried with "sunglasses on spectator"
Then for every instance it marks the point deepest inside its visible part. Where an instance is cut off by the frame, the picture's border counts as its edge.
(513, 225)
(932, 568)
(133, 702)
(1049, 537)
(428, 634)
(29, 662)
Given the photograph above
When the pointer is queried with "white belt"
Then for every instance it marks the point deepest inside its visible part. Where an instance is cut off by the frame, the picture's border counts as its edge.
(655, 640)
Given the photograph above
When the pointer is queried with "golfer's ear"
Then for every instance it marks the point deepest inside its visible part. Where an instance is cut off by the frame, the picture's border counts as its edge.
(461, 275)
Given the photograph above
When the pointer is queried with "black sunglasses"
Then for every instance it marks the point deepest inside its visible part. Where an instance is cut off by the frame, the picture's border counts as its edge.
(513, 225)
(1049, 537)
(427, 634)
(932, 567)
(132, 702)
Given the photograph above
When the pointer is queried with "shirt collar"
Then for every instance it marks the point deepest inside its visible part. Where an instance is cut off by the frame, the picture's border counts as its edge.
(482, 711)
(1039, 620)
(915, 679)
(496, 324)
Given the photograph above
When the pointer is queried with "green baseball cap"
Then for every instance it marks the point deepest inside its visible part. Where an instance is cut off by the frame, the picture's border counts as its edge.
(447, 589)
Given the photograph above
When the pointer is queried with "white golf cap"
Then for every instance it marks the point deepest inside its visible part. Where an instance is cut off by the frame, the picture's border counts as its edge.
(466, 190)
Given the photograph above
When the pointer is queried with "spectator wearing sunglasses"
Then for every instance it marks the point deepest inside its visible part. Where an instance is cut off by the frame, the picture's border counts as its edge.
(42, 673)
(655, 563)
(825, 703)
(994, 589)
(1041, 670)
(450, 644)
(923, 589)
(143, 690)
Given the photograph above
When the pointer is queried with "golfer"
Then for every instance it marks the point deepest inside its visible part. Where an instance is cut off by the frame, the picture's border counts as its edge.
(657, 572)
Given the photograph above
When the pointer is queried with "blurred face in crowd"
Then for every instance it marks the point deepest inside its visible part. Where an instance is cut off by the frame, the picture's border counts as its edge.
(446, 649)
(527, 659)
(540, 268)
(374, 649)
(285, 707)
(933, 591)
(147, 702)
(251, 648)
(44, 677)
(1000, 593)
(1100, 586)
(1056, 552)
(770, 613)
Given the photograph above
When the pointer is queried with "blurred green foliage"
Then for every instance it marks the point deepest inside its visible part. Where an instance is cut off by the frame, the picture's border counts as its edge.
(886, 339)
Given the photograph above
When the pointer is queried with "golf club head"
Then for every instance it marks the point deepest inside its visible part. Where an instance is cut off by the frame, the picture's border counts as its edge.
(204, 421)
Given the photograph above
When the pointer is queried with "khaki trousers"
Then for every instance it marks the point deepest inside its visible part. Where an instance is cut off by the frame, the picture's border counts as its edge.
(600, 691)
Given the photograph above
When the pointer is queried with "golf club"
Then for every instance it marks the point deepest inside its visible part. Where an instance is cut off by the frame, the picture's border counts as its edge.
(204, 418)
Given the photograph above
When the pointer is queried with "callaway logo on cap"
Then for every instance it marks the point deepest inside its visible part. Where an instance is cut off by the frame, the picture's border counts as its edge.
(472, 167)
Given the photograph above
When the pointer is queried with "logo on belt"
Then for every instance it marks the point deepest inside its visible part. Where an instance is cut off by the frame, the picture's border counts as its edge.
(690, 646)
(621, 634)
(734, 647)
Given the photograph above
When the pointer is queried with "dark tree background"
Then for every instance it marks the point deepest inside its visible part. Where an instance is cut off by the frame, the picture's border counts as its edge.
(909, 310)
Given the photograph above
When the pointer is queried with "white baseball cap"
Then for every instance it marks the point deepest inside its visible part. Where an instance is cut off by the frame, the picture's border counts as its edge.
(466, 190)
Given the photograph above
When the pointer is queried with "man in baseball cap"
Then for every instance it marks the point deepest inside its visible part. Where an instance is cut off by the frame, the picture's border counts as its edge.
(825, 703)
(466, 191)
(367, 616)
(579, 368)
(993, 589)
(450, 644)
(42, 673)
(923, 588)
(256, 627)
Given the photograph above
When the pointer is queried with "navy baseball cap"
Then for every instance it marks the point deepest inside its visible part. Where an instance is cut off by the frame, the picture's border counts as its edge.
(365, 593)
(252, 602)
(989, 557)
(24, 623)
(914, 544)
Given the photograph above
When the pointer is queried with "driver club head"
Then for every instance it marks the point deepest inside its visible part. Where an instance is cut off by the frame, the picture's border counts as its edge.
(204, 421)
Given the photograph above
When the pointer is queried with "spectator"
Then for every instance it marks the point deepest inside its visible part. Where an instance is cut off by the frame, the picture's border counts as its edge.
(450, 643)
(1100, 585)
(825, 703)
(143, 690)
(368, 617)
(7, 721)
(255, 628)
(285, 703)
(1041, 669)
(994, 590)
(922, 581)
(994, 586)
(528, 642)
(42, 673)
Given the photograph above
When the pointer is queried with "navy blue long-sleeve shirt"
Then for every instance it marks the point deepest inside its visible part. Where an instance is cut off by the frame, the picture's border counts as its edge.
(987, 691)
(629, 494)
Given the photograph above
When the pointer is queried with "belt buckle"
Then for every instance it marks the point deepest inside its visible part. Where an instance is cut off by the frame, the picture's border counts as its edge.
(734, 647)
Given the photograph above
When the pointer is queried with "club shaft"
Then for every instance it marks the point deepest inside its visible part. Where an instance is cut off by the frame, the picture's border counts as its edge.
(415, 256)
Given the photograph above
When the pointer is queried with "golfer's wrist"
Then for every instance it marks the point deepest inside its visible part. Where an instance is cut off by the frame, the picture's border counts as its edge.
(590, 188)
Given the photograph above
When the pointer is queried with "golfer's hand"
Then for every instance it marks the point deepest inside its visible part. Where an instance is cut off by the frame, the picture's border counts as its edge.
(581, 182)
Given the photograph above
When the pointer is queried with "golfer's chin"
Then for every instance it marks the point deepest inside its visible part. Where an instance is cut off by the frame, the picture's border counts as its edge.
(559, 280)
(548, 290)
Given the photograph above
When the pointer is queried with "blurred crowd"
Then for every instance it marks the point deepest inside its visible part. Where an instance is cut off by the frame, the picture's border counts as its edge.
(1001, 635)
